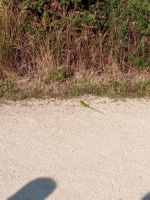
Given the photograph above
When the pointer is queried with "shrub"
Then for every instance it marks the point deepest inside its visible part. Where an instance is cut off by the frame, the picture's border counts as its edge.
(78, 34)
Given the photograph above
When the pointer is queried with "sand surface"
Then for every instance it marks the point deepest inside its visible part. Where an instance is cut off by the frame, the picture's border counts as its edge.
(59, 150)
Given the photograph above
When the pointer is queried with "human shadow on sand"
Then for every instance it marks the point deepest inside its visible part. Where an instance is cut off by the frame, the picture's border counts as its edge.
(147, 197)
(38, 189)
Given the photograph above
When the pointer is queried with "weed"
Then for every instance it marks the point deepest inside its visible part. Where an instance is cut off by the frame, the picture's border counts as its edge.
(77, 36)
(57, 75)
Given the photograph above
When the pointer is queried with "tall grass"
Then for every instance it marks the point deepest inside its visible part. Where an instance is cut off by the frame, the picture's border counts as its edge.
(40, 37)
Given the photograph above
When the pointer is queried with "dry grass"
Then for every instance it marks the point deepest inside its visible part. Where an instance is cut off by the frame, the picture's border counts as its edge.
(62, 58)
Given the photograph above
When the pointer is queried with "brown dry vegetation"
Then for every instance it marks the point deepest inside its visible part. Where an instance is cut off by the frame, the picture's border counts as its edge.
(38, 58)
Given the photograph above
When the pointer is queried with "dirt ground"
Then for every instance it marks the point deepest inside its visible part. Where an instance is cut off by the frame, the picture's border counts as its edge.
(59, 150)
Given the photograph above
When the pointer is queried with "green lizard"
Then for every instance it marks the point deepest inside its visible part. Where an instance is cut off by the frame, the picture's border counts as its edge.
(87, 106)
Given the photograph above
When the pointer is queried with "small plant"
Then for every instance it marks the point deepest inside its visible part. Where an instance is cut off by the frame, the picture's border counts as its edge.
(64, 73)
(58, 75)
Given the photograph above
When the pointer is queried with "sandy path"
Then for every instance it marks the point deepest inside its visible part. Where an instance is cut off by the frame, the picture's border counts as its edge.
(58, 150)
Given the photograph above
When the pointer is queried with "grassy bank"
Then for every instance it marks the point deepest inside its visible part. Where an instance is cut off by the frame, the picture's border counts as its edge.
(73, 47)
(24, 88)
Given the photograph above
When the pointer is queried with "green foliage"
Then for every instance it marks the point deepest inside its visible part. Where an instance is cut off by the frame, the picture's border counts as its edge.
(120, 28)
(58, 75)
(8, 85)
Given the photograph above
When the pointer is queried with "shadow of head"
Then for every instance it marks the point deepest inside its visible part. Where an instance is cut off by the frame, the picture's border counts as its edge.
(147, 197)
(38, 189)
